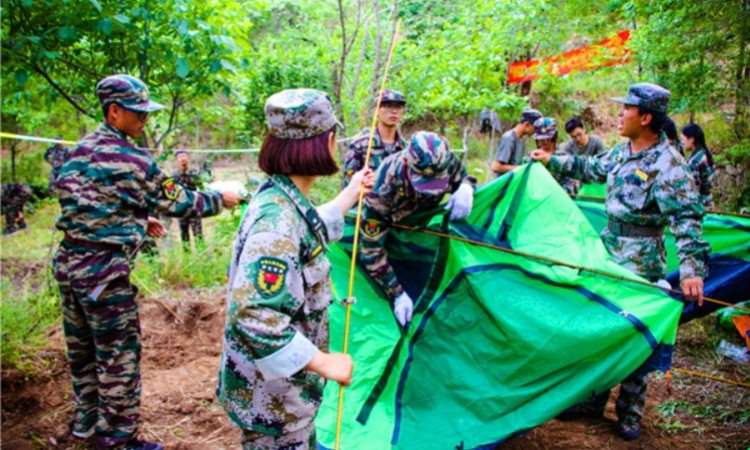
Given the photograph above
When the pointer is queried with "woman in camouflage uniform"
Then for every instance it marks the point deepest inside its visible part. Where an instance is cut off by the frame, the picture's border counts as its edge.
(701, 162)
(275, 356)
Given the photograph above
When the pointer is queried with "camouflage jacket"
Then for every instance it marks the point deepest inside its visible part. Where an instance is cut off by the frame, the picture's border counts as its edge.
(570, 185)
(277, 319)
(650, 188)
(107, 189)
(391, 200)
(703, 172)
(191, 179)
(354, 160)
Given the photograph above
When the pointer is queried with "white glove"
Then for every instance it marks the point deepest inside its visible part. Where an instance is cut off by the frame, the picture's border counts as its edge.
(664, 284)
(403, 308)
(460, 202)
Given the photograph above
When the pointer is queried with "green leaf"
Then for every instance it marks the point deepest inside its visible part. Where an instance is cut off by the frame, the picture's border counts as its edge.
(50, 55)
(215, 66)
(21, 77)
(183, 27)
(105, 26)
(182, 67)
(27, 3)
(96, 5)
(228, 66)
(123, 19)
(67, 33)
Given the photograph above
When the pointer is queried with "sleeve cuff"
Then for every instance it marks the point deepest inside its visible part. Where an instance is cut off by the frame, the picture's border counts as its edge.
(334, 220)
(288, 360)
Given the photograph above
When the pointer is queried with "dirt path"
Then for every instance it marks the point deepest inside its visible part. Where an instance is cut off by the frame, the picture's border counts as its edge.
(180, 358)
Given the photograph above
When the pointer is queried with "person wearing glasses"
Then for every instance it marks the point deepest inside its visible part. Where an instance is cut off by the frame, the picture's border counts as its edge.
(109, 189)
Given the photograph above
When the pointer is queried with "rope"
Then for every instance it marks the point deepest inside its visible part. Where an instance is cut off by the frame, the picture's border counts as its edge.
(355, 245)
(697, 374)
(23, 137)
(556, 262)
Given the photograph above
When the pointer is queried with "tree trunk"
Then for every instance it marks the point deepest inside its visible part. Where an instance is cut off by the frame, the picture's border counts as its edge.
(13, 145)
(742, 78)
(358, 70)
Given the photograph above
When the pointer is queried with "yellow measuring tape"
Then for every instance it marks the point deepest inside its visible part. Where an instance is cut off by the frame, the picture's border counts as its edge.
(355, 244)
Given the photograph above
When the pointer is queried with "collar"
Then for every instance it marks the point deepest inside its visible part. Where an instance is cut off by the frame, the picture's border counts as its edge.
(304, 207)
(650, 154)
(106, 129)
(377, 141)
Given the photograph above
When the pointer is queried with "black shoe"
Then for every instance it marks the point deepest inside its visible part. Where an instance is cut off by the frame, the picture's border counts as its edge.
(629, 431)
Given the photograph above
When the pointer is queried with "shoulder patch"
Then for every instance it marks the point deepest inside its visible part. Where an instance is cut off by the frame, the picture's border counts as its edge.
(371, 227)
(171, 188)
(271, 276)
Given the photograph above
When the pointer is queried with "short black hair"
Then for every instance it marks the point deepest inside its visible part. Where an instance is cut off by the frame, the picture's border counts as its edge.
(573, 123)
(658, 119)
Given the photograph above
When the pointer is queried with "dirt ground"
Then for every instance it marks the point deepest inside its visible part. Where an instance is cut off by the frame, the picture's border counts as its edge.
(182, 344)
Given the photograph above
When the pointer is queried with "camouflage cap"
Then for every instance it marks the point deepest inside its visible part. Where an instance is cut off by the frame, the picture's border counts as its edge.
(128, 92)
(545, 128)
(530, 115)
(299, 113)
(427, 160)
(646, 95)
(391, 96)
(180, 151)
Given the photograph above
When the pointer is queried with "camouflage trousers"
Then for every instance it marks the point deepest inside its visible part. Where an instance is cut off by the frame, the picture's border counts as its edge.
(303, 439)
(186, 225)
(629, 405)
(14, 219)
(104, 351)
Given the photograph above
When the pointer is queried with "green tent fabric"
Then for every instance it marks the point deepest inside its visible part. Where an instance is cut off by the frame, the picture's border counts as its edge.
(499, 343)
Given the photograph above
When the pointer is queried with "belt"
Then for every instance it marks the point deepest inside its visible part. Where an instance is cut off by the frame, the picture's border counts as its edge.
(619, 228)
(71, 241)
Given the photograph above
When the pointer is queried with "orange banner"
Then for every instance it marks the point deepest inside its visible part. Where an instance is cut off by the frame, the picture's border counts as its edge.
(609, 52)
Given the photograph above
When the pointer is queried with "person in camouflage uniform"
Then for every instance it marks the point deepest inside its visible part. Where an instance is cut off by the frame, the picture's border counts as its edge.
(387, 139)
(108, 189)
(649, 186)
(701, 162)
(416, 179)
(275, 356)
(511, 149)
(545, 135)
(14, 198)
(192, 179)
(55, 156)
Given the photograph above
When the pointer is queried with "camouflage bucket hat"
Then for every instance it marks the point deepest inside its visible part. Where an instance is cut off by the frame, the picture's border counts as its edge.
(299, 113)
(128, 92)
(545, 128)
(391, 96)
(427, 158)
(646, 95)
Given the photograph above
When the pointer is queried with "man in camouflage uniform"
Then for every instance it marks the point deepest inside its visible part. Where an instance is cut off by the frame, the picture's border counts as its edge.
(416, 179)
(55, 156)
(275, 356)
(545, 135)
(511, 149)
(108, 189)
(14, 198)
(648, 186)
(387, 139)
(189, 178)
